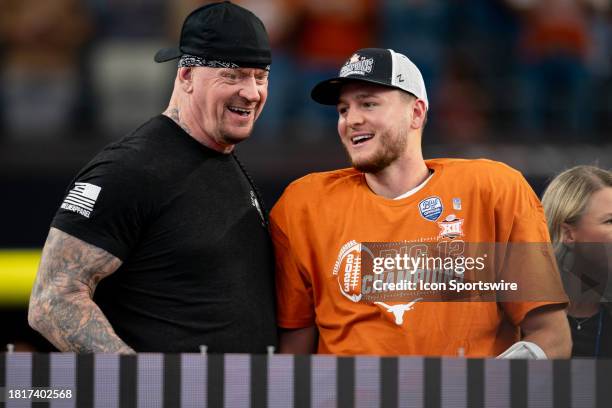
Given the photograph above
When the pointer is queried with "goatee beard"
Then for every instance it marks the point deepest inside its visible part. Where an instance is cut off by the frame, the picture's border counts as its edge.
(230, 138)
(373, 166)
(391, 149)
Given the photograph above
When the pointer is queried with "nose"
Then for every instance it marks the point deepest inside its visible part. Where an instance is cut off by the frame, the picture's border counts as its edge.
(354, 117)
(249, 90)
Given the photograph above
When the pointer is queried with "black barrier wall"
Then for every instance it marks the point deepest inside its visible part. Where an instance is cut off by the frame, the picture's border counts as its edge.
(238, 380)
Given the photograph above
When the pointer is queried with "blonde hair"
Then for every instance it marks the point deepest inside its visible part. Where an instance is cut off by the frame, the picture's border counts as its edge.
(567, 195)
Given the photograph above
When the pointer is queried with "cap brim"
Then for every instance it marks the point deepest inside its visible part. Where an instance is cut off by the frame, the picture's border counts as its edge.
(167, 54)
(328, 92)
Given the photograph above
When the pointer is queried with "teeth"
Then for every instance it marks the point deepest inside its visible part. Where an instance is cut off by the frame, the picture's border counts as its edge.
(360, 138)
(239, 110)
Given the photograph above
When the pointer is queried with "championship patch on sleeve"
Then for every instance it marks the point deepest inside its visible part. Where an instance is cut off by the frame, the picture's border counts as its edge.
(81, 199)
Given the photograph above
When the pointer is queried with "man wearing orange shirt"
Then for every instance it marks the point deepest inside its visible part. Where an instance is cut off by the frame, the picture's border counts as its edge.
(325, 225)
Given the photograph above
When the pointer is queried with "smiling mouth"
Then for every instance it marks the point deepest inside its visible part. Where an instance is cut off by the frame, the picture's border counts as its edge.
(356, 140)
(244, 112)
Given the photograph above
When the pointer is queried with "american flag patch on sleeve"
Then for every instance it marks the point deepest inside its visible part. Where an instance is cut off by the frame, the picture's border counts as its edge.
(82, 198)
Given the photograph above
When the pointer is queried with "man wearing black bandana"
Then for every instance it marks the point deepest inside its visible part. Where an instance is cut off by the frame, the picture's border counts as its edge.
(166, 220)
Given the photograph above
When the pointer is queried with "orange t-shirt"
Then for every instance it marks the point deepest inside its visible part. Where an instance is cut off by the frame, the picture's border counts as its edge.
(319, 214)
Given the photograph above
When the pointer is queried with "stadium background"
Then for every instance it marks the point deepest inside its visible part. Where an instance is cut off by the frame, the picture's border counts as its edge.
(527, 82)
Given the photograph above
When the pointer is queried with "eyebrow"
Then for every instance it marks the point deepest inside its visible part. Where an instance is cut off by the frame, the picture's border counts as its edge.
(244, 70)
(360, 96)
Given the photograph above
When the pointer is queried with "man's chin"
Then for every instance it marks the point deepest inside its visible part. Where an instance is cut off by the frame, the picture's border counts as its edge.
(237, 136)
(367, 167)
(370, 165)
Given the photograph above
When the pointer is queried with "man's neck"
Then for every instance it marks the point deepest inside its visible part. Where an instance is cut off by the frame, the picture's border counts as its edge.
(193, 130)
(400, 176)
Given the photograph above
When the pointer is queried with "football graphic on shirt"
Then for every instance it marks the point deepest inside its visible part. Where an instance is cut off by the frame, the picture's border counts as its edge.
(348, 269)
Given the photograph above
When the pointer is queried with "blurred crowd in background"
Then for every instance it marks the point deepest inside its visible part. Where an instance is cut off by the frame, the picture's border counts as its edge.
(495, 69)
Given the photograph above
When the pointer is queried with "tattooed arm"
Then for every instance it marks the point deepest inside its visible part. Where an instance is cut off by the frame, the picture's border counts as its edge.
(61, 305)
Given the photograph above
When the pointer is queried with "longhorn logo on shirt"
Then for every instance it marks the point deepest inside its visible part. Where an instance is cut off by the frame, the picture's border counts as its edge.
(348, 268)
(398, 310)
(451, 227)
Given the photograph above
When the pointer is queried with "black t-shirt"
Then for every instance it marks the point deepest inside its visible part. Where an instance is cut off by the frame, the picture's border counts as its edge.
(186, 222)
(585, 339)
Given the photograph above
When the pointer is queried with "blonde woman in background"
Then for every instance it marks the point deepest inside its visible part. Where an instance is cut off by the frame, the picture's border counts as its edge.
(578, 207)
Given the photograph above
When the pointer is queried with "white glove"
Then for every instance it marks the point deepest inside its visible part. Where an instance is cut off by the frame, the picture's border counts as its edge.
(525, 350)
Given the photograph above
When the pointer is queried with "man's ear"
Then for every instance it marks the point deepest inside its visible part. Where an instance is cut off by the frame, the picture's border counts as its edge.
(185, 77)
(568, 235)
(419, 114)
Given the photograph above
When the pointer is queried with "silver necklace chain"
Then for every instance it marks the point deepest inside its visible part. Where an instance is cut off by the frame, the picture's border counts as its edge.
(580, 322)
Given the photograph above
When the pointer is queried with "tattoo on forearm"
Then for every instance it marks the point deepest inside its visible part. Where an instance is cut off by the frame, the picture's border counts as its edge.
(61, 305)
(174, 114)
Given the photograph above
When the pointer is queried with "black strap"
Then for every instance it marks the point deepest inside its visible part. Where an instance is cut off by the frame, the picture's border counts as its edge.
(518, 383)
(259, 380)
(432, 384)
(345, 379)
(216, 380)
(128, 381)
(475, 383)
(603, 390)
(172, 380)
(85, 380)
(389, 382)
(562, 384)
(301, 381)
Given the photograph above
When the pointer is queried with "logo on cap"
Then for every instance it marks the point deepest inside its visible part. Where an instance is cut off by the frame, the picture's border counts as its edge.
(357, 65)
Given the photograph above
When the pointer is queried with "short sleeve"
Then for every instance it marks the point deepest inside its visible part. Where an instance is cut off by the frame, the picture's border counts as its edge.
(531, 263)
(519, 209)
(294, 296)
(105, 205)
